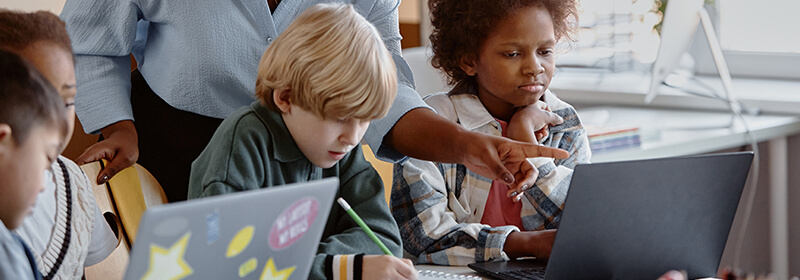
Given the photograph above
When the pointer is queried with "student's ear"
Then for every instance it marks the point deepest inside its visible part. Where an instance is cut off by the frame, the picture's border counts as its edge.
(467, 63)
(6, 141)
(282, 98)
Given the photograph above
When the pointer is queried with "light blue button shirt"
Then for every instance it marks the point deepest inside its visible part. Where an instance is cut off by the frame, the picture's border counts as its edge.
(200, 56)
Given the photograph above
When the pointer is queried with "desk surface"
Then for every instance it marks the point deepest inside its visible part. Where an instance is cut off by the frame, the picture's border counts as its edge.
(669, 132)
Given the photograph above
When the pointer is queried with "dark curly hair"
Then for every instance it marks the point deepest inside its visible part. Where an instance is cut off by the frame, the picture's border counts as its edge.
(19, 30)
(461, 26)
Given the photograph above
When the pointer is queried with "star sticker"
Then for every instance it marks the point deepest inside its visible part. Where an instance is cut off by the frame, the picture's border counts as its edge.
(169, 263)
(271, 273)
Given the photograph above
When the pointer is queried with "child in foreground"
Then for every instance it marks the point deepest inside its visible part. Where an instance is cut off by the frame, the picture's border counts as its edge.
(66, 231)
(319, 85)
(500, 57)
(32, 127)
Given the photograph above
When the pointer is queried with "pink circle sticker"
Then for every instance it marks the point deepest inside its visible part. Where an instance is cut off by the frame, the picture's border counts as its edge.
(293, 222)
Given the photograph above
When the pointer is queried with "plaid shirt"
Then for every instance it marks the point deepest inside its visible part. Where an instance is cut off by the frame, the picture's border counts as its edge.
(439, 206)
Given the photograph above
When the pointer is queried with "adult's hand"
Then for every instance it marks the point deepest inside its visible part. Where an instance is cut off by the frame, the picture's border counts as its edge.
(423, 134)
(537, 244)
(120, 148)
(504, 160)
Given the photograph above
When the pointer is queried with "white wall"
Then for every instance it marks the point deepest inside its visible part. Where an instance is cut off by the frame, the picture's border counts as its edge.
(54, 6)
(409, 11)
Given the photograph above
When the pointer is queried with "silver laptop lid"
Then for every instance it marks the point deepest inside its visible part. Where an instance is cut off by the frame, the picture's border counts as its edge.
(270, 233)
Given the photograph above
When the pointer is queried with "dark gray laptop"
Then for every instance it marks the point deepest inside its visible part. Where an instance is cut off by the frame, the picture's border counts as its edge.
(270, 233)
(640, 219)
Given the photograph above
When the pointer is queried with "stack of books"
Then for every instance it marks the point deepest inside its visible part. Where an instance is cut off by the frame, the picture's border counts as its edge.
(604, 139)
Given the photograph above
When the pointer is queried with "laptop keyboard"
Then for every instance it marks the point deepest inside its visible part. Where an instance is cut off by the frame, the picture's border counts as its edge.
(532, 273)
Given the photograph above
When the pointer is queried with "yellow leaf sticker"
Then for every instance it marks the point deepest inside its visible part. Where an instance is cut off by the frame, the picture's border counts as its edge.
(240, 241)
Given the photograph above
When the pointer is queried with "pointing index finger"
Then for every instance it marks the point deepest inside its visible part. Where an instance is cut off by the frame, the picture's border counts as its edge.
(532, 150)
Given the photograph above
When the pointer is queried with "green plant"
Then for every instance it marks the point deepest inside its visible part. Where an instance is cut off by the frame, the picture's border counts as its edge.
(662, 7)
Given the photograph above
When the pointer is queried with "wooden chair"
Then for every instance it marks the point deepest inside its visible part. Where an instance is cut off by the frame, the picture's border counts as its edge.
(385, 170)
(122, 200)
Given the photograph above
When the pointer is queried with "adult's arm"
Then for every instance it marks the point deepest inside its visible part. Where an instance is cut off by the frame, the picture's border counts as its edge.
(383, 15)
(103, 35)
(423, 134)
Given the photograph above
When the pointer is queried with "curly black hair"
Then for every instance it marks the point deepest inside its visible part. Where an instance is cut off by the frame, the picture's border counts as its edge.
(461, 26)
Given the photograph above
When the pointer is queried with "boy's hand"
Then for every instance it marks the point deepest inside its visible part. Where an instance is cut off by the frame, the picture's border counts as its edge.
(537, 244)
(387, 267)
(120, 148)
(531, 123)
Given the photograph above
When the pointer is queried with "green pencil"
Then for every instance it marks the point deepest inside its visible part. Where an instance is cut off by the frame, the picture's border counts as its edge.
(363, 225)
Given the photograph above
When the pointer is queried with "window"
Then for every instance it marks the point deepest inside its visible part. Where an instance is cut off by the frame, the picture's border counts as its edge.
(615, 35)
(759, 39)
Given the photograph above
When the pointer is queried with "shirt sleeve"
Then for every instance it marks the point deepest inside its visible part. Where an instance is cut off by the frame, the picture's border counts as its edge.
(432, 232)
(549, 192)
(103, 35)
(362, 188)
(385, 18)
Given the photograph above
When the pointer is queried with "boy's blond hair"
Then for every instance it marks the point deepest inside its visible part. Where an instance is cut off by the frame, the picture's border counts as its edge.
(334, 62)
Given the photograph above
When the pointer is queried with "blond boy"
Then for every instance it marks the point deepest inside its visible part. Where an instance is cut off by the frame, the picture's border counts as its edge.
(32, 127)
(319, 85)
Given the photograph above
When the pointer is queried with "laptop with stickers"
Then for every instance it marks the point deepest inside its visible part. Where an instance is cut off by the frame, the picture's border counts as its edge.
(270, 233)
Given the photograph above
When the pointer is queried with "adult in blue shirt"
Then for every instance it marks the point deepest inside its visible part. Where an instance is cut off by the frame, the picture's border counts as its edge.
(197, 63)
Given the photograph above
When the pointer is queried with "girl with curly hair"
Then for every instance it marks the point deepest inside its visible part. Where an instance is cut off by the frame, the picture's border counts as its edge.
(500, 57)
